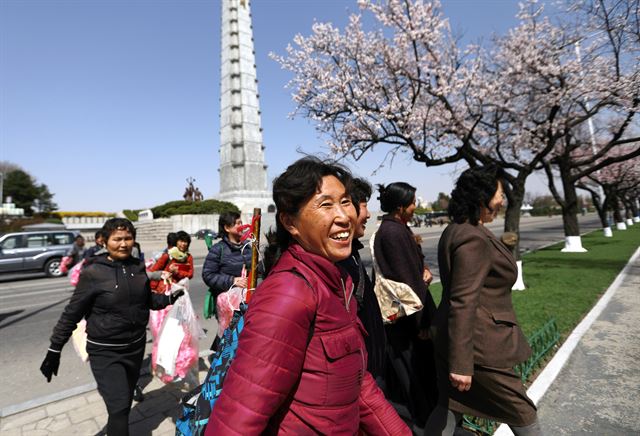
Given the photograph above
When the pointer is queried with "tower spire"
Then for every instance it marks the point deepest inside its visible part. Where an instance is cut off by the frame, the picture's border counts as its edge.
(243, 173)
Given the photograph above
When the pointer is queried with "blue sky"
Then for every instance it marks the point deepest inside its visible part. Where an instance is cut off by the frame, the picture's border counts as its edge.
(114, 103)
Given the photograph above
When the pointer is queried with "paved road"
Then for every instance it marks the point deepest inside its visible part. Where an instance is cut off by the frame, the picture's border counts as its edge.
(29, 307)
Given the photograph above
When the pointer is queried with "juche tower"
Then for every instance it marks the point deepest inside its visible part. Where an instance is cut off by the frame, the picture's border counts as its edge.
(243, 173)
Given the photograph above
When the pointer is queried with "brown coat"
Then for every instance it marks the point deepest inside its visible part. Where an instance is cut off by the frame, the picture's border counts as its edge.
(475, 323)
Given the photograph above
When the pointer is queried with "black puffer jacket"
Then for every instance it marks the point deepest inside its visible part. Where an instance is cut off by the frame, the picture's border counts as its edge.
(368, 310)
(114, 297)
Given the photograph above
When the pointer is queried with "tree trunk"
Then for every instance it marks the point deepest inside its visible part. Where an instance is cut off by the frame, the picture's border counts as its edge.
(570, 204)
(601, 209)
(634, 207)
(617, 213)
(515, 196)
(628, 209)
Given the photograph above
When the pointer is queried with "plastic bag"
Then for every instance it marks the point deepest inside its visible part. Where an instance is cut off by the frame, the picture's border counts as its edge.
(175, 349)
(79, 339)
(74, 273)
(156, 317)
(65, 262)
(227, 303)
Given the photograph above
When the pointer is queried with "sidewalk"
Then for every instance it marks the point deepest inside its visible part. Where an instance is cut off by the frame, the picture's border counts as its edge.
(86, 415)
(597, 390)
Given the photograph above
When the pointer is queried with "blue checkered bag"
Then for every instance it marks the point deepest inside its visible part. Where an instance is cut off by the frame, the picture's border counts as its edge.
(198, 404)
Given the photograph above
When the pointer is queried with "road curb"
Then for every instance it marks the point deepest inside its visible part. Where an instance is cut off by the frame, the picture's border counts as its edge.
(47, 399)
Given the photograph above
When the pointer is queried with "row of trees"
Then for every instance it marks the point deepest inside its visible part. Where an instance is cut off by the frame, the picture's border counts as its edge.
(557, 94)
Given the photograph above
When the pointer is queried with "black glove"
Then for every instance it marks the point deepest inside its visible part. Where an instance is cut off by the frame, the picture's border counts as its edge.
(175, 295)
(50, 364)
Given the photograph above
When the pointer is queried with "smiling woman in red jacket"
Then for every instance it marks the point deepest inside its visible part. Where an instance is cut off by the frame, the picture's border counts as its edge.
(301, 361)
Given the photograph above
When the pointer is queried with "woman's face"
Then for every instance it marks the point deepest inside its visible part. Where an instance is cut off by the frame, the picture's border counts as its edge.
(406, 213)
(361, 222)
(234, 230)
(182, 246)
(325, 224)
(119, 244)
(495, 204)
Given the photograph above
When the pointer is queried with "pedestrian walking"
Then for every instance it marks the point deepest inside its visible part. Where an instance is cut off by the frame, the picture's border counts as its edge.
(478, 340)
(99, 245)
(300, 366)
(227, 259)
(76, 252)
(409, 348)
(176, 262)
(114, 296)
(155, 269)
(176, 266)
(368, 308)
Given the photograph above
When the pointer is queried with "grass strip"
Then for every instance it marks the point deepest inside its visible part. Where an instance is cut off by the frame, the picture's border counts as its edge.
(565, 286)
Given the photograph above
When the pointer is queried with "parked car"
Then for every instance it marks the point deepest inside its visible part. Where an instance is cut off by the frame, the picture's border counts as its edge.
(35, 251)
(200, 234)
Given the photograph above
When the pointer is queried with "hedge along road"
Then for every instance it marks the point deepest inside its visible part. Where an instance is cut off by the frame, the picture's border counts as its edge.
(30, 308)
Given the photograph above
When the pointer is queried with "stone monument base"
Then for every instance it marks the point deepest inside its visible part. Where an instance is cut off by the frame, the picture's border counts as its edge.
(246, 201)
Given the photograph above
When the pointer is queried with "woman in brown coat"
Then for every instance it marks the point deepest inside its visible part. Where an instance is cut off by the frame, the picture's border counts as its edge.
(478, 340)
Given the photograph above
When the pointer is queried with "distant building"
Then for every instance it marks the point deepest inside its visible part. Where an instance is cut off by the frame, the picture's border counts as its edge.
(10, 209)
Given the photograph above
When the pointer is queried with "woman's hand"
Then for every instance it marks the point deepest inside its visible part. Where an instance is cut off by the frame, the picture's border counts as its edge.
(460, 382)
(427, 276)
(166, 275)
(240, 282)
(173, 268)
(50, 364)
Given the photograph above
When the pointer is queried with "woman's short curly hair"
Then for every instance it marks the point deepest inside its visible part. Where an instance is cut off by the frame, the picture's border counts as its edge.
(474, 189)
(113, 224)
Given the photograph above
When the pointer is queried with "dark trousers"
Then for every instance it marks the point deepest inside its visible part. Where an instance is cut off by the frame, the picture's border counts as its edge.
(413, 369)
(116, 370)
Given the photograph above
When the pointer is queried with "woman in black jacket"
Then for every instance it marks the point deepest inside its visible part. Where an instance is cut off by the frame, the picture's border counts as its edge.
(114, 296)
(400, 258)
(368, 308)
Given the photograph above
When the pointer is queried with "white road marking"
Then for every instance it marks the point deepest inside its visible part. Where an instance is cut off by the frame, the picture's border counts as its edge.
(29, 294)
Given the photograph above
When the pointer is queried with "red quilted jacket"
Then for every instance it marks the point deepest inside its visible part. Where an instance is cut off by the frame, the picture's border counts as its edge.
(283, 381)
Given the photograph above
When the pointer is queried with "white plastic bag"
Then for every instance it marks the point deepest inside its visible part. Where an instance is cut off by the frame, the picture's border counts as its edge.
(169, 344)
(177, 343)
(79, 339)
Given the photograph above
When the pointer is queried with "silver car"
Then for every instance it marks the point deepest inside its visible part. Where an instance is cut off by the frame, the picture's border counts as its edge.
(35, 251)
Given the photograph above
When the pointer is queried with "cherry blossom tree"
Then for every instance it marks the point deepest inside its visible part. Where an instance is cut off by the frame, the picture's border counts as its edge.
(618, 182)
(604, 108)
(400, 85)
(528, 80)
(409, 87)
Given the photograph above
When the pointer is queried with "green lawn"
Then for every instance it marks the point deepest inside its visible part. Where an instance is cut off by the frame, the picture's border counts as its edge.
(565, 286)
